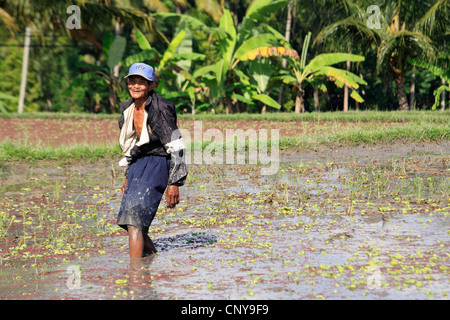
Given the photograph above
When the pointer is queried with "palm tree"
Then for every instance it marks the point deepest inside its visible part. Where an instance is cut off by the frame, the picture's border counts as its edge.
(434, 24)
(351, 41)
(401, 35)
(48, 15)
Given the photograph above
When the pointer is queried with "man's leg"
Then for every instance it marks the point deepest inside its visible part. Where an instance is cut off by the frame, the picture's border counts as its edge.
(135, 241)
(139, 243)
(149, 247)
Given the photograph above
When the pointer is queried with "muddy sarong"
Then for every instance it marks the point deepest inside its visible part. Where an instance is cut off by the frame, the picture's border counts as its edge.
(147, 181)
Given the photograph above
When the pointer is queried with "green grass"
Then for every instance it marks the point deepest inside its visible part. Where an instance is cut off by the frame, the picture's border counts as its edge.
(351, 116)
(417, 126)
(411, 133)
(12, 152)
(59, 115)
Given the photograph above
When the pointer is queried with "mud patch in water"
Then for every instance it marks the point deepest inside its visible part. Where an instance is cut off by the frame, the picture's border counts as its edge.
(186, 241)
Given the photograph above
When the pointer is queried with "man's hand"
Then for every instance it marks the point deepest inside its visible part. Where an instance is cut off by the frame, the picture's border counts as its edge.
(124, 185)
(172, 196)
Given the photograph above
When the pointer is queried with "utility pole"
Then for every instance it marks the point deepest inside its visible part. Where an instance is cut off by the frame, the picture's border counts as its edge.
(23, 83)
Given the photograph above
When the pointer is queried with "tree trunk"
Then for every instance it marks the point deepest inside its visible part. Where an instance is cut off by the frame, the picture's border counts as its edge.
(401, 94)
(97, 103)
(346, 90)
(316, 99)
(228, 105)
(193, 105)
(263, 110)
(443, 95)
(287, 36)
(115, 73)
(118, 32)
(112, 97)
(413, 89)
(299, 102)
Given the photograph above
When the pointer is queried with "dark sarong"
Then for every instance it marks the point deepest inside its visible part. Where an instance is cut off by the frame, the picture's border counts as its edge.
(147, 181)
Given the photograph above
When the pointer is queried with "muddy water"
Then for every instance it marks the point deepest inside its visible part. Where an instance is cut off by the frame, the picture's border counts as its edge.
(355, 227)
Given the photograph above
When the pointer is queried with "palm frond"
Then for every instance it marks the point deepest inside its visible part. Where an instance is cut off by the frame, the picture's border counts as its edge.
(438, 70)
(8, 20)
(437, 95)
(51, 15)
(351, 30)
(349, 7)
(435, 20)
(404, 41)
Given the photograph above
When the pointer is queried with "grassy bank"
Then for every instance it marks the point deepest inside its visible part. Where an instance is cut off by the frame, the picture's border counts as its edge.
(353, 136)
(351, 116)
(411, 133)
(26, 152)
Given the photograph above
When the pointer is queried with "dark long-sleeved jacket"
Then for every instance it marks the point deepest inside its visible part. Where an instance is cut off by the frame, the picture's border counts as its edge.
(163, 134)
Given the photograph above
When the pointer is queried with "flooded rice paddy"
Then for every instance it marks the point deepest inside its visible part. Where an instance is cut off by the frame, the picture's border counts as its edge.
(347, 225)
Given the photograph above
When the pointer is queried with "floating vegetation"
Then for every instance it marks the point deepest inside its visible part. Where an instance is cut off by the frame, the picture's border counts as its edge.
(362, 228)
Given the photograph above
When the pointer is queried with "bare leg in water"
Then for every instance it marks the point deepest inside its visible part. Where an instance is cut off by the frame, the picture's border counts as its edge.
(139, 243)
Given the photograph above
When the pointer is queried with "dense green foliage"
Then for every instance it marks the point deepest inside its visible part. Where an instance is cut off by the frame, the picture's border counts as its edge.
(228, 56)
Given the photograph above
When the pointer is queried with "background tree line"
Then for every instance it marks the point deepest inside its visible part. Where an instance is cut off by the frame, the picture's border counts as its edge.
(230, 56)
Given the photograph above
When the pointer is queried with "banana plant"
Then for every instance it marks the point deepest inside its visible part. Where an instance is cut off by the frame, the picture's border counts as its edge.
(233, 44)
(174, 65)
(256, 84)
(318, 69)
(231, 53)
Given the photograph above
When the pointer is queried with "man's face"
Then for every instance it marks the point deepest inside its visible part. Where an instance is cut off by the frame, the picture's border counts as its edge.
(139, 87)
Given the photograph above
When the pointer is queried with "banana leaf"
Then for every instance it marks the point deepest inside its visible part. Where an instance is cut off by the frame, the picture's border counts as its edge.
(116, 51)
(170, 51)
(267, 100)
(258, 41)
(142, 40)
(328, 59)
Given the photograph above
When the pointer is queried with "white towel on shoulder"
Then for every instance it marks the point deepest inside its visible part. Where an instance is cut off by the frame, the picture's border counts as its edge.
(128, 138)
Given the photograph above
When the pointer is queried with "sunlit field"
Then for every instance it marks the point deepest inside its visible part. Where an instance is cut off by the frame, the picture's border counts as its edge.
(358, 208)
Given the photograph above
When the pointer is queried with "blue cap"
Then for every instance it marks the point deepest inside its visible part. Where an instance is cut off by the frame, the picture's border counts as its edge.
(143, 70)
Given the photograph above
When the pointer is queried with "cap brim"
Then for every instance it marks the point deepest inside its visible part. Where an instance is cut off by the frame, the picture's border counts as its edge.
(137, 74)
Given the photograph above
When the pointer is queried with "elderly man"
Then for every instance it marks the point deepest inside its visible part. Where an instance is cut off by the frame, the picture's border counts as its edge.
(153, 152)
